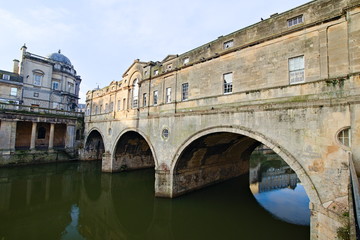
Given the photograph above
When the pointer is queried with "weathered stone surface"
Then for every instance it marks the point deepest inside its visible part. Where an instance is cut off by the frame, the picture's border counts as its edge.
(212, 133)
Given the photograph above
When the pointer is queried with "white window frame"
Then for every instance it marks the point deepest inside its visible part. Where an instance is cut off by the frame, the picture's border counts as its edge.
(13, 92)
(344, 137)
(228, 82)
(37, 79)
(168, 95)
(135, 93)
(70, 87)
(296, 69)
(55, 83)
(295, 20)
(155, 97)
(6, 77)
(184, 91)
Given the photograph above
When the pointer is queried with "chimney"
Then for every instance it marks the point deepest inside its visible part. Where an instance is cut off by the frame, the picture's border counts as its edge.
(23, 50)
(16, 66)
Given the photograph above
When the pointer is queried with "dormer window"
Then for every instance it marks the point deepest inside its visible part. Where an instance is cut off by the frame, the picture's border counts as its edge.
(186, 60)
(228, 44)
(169, 67)
(295, 21)
(156, 72)
(6, 77)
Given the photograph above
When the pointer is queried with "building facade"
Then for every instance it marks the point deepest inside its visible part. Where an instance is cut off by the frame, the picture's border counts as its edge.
(48, 82)
(290, 82)
(38, 103)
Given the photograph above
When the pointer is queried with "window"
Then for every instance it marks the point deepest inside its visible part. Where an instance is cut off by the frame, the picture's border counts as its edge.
(41, 133)
(295, 21)
(228, 44)
(96, 109)
(344, 137)
(165, 133)
(184, 91)
(118, 107)
(227, 77)
(55, 105)
(111, 107)
(135, 94)
(6, 77)
(13, 92)
(37, 79)
(55, 85)
(186, 60)
(124, 103)
(296, 70)
(156, 72)
(144, 99)
(100, 109)
(168, 95)
(70, 87)
(36, 94)
(169, 67)
(106, 108)
(87, 111)
(155, 97)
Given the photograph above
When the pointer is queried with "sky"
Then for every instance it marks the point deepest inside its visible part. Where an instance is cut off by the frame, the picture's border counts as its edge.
(102, 38)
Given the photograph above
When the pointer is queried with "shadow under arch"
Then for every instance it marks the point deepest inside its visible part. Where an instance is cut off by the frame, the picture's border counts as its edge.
(180, 177)
(133, 150)
(94, 145)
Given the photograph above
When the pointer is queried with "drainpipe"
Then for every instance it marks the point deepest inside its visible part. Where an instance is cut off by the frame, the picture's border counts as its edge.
(148, 103)
(176, 86)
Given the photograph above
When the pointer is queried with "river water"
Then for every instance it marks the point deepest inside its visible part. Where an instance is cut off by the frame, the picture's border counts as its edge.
(76, 201)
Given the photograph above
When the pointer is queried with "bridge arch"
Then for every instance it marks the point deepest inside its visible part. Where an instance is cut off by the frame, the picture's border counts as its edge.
(253, 139)
(132, 150)
(94, 145)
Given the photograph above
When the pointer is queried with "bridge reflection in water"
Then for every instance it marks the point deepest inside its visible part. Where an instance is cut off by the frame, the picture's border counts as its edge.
(77, 201)
(277, 188)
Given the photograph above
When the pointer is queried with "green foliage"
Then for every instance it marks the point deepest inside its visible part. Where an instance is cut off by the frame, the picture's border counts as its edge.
(343, 233)
(335, 82)
(123, 168)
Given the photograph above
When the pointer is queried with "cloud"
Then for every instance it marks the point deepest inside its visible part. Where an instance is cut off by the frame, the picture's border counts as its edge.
(38, 24)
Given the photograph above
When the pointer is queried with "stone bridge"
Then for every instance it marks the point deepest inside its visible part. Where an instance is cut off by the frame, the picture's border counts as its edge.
(197, 117)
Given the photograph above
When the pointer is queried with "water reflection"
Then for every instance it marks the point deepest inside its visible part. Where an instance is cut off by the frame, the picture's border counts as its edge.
(77, 201)
(277, 188)
(71, 231)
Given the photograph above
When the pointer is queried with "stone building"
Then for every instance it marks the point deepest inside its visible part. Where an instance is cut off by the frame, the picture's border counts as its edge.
(38, 103)
(11, 87)
(290, 82)
(49, 82)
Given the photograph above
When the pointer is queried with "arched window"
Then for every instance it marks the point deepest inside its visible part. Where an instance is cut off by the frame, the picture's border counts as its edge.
(344, 137)
(135, 94)
(41, 133)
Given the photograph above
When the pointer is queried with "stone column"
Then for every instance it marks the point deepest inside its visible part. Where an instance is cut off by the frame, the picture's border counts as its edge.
(33, 136)
(51, 137)
(7, 136)
(163, 184)
(107, 162)
(70, 136)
